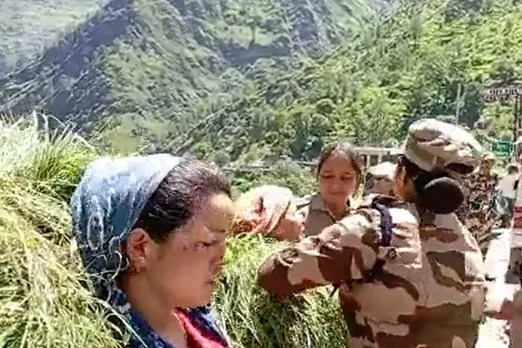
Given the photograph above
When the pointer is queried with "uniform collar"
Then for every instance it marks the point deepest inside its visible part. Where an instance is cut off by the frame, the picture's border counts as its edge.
(317, 204)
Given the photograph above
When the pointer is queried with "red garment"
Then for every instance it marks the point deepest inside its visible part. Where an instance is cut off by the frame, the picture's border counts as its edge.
(197, 338)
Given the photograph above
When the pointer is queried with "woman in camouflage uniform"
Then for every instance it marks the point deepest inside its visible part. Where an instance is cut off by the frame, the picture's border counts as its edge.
(339, 175)
(415, 271)
(273, 211)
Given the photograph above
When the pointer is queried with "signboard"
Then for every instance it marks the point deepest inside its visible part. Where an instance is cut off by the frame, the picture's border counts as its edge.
(502, 149)
(510, 90)
(502, 92)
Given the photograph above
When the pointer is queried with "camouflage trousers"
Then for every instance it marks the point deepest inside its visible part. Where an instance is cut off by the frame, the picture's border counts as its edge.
(421, 334)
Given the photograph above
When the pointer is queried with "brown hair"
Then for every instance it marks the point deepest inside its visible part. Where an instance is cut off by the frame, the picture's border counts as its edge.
(345, 149)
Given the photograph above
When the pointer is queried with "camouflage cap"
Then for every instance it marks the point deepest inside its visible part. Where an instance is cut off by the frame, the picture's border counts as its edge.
(379, 179)
(385, 170)
(432, 143)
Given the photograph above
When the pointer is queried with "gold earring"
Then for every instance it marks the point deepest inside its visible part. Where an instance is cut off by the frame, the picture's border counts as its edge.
(134, 269)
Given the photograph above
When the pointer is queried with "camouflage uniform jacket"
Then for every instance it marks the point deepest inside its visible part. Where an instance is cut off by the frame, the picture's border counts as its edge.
(476, 213)
(431, 290)
(317, 216)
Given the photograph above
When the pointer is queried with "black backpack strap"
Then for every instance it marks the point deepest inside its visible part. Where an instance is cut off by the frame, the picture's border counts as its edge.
(386, 229)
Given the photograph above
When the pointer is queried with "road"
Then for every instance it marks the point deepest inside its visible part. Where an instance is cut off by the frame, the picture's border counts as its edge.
(492, 332)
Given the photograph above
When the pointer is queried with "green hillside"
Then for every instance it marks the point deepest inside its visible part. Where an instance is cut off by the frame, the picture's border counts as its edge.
(404, 68)
(29, 26)
(228, 81)
(138, 67)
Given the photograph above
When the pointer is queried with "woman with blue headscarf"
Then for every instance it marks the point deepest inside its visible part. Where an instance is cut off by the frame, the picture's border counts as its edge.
(151, 233)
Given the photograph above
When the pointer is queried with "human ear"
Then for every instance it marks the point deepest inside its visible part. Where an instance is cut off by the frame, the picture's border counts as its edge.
(138, 248)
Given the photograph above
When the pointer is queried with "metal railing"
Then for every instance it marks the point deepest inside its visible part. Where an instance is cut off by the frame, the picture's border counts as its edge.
(370, 156)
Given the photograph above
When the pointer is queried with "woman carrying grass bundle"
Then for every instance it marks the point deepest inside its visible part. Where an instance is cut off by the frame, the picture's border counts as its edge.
(415, 271)
(268, 210)
(151, 233)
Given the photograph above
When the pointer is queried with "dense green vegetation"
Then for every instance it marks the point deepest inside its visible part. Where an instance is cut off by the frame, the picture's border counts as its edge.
(145, 70)
(404, 68)
(234, 81)
(44, 300)
(255, 319)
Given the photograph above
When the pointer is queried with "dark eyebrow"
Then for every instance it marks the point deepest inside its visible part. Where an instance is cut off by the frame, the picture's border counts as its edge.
(217, 230)
(343, 173)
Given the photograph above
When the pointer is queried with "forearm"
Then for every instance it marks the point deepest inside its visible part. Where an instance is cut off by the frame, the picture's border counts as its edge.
(334, 256)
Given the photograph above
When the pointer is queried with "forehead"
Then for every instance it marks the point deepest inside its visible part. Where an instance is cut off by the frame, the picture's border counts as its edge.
(216, 212)
(338, 162)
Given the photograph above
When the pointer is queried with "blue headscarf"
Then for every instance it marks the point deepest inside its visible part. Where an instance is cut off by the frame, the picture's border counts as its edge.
(107, 204)
(105, 208)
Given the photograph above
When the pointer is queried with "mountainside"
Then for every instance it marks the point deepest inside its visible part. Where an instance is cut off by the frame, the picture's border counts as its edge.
(139, 63)
(29, 26)
(404, 68)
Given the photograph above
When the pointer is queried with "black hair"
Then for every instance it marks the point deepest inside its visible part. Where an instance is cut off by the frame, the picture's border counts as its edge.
(178, 197)
(345, 149)
(438, 191)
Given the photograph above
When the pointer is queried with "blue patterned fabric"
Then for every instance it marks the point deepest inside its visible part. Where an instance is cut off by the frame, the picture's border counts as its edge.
(105, 207)
(145, 337)
(107, 204)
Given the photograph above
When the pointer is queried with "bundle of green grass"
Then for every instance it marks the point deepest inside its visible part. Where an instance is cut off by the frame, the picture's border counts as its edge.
(255, 319)
(43, 298)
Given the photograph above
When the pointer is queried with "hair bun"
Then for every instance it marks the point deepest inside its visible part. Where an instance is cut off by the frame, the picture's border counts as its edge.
(442, 195)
